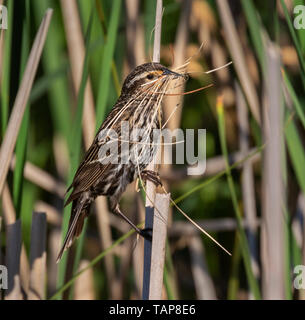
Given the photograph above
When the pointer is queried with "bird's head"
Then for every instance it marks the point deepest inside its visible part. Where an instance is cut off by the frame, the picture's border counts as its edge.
(147, 75)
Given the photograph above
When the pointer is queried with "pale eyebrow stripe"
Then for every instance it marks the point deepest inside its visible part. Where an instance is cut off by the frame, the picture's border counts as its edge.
(138, 77)
(142, 75)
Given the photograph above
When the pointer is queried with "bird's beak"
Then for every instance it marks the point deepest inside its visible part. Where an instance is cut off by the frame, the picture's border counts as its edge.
(168, 72)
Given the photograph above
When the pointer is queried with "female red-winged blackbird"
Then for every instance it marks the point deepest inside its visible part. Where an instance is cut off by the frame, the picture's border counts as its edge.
(101, 173)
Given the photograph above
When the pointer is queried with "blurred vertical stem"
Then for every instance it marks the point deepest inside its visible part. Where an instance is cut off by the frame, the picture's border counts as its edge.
(241, 233)
(82, 98)
(273, 177)
(255, 29)
(297, 156)
(169, 275)
(288, 243)
(149, 20)
(150, 187)
(236, 50)
(75, 148)
(21, 144)
(114, 70)
(247, 179)
(104, 82)
(6, 64)
(276, 27)
(58, 93)
(84, 8)
(99, 35)
(233, 284)
(295, 100)
(296, 151)
(52, 62)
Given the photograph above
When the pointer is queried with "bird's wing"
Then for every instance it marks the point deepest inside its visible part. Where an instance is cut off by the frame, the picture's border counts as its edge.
(89, 172)
(91, 169)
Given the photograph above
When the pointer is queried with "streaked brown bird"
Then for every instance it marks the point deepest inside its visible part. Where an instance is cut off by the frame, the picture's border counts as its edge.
(100, 173)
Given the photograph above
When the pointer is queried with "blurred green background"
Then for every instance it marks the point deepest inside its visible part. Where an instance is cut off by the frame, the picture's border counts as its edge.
(102, 41)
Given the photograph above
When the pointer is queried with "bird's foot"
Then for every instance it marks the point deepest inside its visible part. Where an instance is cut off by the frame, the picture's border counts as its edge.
(151, 176)
(146, 233)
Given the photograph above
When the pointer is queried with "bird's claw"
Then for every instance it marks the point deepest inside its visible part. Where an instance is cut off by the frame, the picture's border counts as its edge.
(151, 176)
(146, 234)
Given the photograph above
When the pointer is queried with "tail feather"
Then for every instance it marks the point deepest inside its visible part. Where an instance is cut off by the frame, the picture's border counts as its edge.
(78, 214)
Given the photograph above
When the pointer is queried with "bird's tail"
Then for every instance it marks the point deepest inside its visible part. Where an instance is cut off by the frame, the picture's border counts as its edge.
(80, 210)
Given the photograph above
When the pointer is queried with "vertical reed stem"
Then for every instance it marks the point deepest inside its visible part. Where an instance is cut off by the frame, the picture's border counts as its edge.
(150, 187)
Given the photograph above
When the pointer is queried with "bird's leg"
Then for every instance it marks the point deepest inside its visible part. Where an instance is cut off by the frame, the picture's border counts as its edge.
(145, 233)
(151, 176)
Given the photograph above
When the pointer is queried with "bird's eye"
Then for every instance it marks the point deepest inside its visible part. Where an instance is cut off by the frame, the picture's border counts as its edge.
(150, 76)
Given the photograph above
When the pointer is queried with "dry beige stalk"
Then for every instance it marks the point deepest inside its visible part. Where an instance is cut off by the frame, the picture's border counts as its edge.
(9, 141)
(38, 257)
(84, 284)
(54, 217)
(41, 178)
(76, 50)
(274, 202)
(158, 246)
(203, 282)
(248, 185)
(179, 49)
(135, 34)
(151, 277)
(238, 57)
